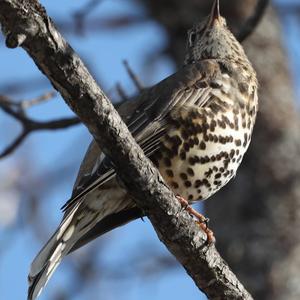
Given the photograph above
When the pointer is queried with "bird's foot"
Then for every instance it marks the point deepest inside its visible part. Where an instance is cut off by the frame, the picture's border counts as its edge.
(202, 221)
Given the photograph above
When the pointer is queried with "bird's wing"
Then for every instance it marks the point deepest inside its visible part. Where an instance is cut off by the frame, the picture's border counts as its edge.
(148, 118)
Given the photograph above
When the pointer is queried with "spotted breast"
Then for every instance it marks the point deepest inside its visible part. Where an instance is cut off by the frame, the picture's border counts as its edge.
(205, 145)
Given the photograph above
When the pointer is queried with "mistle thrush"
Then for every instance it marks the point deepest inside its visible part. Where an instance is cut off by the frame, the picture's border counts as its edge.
(195, 126)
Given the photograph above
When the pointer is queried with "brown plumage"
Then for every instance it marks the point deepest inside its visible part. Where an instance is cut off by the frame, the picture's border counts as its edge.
(195, 126)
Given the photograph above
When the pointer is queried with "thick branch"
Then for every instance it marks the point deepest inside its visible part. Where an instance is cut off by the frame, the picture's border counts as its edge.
(253, 20)
(57, 60)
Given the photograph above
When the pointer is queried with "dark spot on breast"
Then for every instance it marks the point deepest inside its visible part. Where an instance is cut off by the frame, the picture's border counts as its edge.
(204, 159)
(190, 171)
(249, 124)
(174, 185)
(245, 140)
(219, 156)
(198, 128)
(211, 137)
(232, 152)
(222, 124)
(213, 125)
(208, 173)
(176, 140)
(175, 149)
(187, 183)
(167, 162)
(202, 145)
(226, 174)
(243, 87)
(191, 142)
(226, 163)
(218, 175)
(215, 108)
(169, 173)
(238, 142)
(184, 134)
(183, 176)
(197, 183)
(186, 147)
(236, 123)
(182, 155)
(206, 183)
(205, 137)
(222, 139)
(194, 159)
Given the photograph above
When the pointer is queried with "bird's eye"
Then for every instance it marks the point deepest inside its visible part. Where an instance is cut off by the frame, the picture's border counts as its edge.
(192, 38)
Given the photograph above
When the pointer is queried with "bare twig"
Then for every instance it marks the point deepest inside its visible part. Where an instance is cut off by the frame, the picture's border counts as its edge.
(14, 145)
(80, 15)
(69, 76)
(42, 99)
(137, 82)
(29, 125)
(121, 92)
(95, 24)
(253, 20)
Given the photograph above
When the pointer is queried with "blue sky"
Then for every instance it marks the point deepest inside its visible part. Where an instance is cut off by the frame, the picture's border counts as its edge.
(45, 152)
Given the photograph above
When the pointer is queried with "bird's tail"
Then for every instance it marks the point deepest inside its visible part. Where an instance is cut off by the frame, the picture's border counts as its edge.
(51, 255)
(77, 228)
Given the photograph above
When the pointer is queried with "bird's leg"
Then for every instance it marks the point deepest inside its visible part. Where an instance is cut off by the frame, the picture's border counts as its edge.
(201, 220)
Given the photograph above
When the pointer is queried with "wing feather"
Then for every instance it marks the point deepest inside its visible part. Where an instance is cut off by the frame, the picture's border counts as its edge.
(148, 122)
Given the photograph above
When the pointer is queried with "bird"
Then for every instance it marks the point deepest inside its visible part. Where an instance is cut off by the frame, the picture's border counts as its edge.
(195, 126)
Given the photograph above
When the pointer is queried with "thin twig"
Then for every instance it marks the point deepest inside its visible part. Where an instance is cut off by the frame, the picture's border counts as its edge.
(80, 15)
(121, 92)
(87, 8)
(39, 100)
(15, 144)
(253, 20)
(29, 125)
(137, 82)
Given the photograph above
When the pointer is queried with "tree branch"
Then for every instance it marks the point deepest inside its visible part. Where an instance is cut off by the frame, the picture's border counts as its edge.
(251, 23)
(174, 226)
(29, 125)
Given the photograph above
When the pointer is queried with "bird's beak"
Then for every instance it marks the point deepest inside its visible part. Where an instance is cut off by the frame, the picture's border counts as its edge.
(215, 13)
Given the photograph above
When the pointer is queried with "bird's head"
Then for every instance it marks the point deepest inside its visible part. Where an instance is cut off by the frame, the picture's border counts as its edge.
(212, 39)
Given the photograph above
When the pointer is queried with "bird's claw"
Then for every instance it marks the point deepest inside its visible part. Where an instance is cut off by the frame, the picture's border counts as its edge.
(202, 221)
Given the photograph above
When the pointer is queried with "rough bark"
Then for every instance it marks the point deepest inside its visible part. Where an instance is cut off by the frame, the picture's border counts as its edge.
(256, 217)
(26, 24)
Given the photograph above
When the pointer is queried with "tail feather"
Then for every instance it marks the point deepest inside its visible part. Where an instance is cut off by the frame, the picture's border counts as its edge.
(48, 264)
(76, 229)
(50, 256)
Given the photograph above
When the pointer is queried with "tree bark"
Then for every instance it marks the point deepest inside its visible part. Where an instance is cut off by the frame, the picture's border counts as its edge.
(26, 24)
(256, 217)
